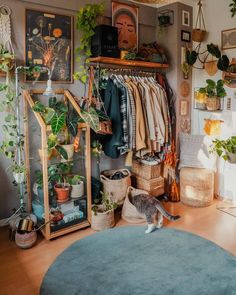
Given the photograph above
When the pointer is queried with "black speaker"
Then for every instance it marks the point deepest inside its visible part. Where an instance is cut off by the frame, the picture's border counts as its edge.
(105, 42)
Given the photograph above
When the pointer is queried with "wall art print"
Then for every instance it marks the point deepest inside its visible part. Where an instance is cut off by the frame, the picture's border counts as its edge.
(228, 39)
(125, 18)
(49, 42)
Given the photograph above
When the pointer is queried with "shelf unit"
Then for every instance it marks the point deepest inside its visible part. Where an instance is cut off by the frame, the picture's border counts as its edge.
(127, 63)
(48, 230)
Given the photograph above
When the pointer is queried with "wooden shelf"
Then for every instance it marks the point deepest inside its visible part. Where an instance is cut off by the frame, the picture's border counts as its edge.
(130, 63)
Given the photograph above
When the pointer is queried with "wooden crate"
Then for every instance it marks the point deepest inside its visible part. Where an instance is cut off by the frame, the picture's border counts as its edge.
(153, 186)
(196, 187)
(146, 171)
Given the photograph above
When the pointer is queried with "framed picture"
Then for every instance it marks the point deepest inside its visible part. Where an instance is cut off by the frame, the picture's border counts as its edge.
(125, 18)
(185, 18)
(49, 42)
(185, 36)
(228, 39)
(183, 107)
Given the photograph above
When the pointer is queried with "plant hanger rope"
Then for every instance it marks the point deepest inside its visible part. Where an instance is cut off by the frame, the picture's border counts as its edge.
(200, 18)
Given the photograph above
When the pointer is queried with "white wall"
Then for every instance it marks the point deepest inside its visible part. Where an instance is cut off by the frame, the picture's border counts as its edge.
(218, 17)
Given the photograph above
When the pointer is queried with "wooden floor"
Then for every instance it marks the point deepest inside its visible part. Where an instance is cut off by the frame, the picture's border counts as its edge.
(21, 271)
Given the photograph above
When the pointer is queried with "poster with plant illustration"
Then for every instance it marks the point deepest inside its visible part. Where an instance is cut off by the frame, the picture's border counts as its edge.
(49, 42)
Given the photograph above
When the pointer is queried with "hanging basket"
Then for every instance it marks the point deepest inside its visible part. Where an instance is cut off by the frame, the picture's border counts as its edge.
(199, 32)
(199, 35)
(211, 67)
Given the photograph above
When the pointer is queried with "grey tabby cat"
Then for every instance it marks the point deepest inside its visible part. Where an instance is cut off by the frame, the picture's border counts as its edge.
(150, 206)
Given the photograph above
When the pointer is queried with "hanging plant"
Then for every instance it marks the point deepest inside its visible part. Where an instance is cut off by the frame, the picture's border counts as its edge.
(193, 55)
(86, 21)
(233, 8)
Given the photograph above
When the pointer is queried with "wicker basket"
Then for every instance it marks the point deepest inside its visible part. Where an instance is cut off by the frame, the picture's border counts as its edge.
(116, 188)
(196, 187)
(129, 212)
(153, 186)
(102, 220)
(213, 103)
(146, 171)
(199, 35)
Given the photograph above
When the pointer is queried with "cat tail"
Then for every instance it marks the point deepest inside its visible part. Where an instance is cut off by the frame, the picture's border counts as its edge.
(167, 214)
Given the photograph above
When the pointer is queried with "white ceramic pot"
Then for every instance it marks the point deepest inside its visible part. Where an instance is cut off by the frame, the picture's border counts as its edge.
(77, 190)
(231, 157)
(19, 177)
(70, 152)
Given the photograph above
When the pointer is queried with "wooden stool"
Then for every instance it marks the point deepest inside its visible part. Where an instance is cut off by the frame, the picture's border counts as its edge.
(196, 187)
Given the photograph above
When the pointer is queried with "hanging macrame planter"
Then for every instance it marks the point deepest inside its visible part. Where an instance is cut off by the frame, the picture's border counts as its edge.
(199, 32)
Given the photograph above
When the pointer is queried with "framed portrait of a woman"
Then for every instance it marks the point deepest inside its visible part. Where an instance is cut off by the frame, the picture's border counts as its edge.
(125, 18)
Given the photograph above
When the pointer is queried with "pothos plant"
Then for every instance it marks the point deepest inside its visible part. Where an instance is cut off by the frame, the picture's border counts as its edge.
(12, 141)
(86, 21)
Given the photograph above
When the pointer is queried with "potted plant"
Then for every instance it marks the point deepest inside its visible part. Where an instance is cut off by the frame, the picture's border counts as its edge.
(62, 189)
(77, 186)
(63, 124)
(86, 21)
(103, 214)
(225, 148)
(214, 92)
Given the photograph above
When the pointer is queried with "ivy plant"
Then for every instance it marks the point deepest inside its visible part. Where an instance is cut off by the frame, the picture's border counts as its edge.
(86, 21)
(232, 7)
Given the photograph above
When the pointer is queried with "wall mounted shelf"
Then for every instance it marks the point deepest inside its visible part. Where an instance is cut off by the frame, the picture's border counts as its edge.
(129, 63)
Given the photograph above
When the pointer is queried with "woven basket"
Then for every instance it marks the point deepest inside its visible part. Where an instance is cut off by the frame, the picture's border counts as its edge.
(196, 187)
(115, 188)
(102, 220)
(153, 186)
(199, 35)
(213, 103)
(129, 212)
(146, 171)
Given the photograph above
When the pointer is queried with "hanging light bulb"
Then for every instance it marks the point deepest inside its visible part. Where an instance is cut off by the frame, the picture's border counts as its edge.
(49, 91)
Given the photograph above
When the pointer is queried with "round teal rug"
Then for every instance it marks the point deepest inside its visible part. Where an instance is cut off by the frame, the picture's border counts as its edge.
(126, 261)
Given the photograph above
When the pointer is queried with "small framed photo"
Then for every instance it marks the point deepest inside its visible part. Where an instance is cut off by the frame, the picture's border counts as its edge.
(185, 36)
(183, 107)
(185, 18)
(228, 39)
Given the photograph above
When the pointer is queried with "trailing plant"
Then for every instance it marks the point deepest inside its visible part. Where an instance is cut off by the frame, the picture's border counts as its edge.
(86, 23)
(107, 204)
(75, 179)
(62, 121)
(214, 89)
(222, 147)
(193, 55)
(233, 8)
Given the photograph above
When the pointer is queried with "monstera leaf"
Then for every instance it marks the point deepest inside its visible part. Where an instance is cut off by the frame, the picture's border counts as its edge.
(91, 118)
(57, 123)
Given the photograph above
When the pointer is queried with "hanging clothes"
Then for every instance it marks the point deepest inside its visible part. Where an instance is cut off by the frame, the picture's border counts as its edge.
(140, 117)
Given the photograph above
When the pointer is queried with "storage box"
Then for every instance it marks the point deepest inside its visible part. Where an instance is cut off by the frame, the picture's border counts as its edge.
(153, 186)
(146, 171)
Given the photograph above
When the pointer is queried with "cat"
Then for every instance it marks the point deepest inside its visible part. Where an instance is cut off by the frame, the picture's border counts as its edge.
(150, 206)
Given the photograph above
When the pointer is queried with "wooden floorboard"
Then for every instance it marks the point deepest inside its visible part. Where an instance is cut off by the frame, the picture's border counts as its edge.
(23, 270)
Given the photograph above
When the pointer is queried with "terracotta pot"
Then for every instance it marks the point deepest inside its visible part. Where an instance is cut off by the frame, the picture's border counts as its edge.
(62, 192)
(199, 35)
